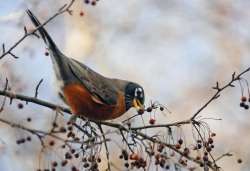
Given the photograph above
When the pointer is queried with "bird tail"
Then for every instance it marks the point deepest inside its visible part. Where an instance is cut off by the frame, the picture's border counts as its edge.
(44, 34)
(59, 60)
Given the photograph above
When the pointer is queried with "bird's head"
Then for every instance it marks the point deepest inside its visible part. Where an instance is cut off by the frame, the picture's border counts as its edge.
(134, 96)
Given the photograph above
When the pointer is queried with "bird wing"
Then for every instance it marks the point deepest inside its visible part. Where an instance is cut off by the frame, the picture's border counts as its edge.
(102, 89)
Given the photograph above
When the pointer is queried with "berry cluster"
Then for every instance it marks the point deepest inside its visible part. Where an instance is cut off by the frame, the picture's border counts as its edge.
(92, 2)
(136, 161)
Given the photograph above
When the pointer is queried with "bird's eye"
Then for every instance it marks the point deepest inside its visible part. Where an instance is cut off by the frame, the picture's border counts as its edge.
(138, 92)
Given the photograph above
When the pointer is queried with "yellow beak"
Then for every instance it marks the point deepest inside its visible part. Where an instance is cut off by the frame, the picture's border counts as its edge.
(137, 104)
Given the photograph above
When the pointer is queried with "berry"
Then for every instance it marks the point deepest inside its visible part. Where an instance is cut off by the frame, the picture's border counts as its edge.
(209, 149)
(205, 158)
(210, 140)
(93, 3)
(54, 164)
(199, 146)
(28, 119)
(140, 111)
(239, 161)
(161, 108)
(134, 156)
(77, 155)
(246, 107)
(64, 162)
(186, 151)
(86, 1)
(167, 167)
(180, 141)
(242, 104)
(85, 165)
(213, 134)
(74, 168)
(51, 143)
(20, 105)
(149, 109)
(152, 121)
(243, 99)
(68, 156)
(177, 146)
(28, 138)
(198, 158)
(126, 165)
(81, 13)
(46, 53)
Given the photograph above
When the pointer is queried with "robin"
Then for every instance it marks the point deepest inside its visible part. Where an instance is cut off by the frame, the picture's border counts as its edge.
(87, 92)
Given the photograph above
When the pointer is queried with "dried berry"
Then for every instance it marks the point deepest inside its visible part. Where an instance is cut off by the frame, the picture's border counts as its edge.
(54, 164)
(239, 161)
(180, 141)
(64, 162)
(152, 121)
(246, 107)
(177, 146)
(213, 134)
(81, 13)
(243, 99)
(210, 140)
(20, 105)
(140, 111)
(149, 109)
(161, 108)
(51, 143)
(242, 104)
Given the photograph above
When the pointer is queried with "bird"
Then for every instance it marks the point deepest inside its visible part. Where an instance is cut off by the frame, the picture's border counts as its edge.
(88, 93)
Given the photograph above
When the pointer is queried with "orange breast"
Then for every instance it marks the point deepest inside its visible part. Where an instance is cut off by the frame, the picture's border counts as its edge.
(80, 101)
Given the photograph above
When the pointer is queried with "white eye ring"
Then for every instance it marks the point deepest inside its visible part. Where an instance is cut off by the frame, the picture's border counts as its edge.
(138, 91)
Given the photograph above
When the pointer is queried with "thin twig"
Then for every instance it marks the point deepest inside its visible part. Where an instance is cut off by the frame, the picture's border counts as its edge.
(63, 9)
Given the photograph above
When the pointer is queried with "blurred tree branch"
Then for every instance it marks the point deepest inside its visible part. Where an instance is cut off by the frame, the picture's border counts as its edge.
(62, 10)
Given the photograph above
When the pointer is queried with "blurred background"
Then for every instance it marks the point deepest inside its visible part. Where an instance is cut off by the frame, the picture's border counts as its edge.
(176, 49)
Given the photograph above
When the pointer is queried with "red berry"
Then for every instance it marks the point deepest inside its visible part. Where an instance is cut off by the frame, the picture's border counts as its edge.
(152, 121)
(134, 156)
(243, 98)
(177, 146)
(140, 111)
(81, 13)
